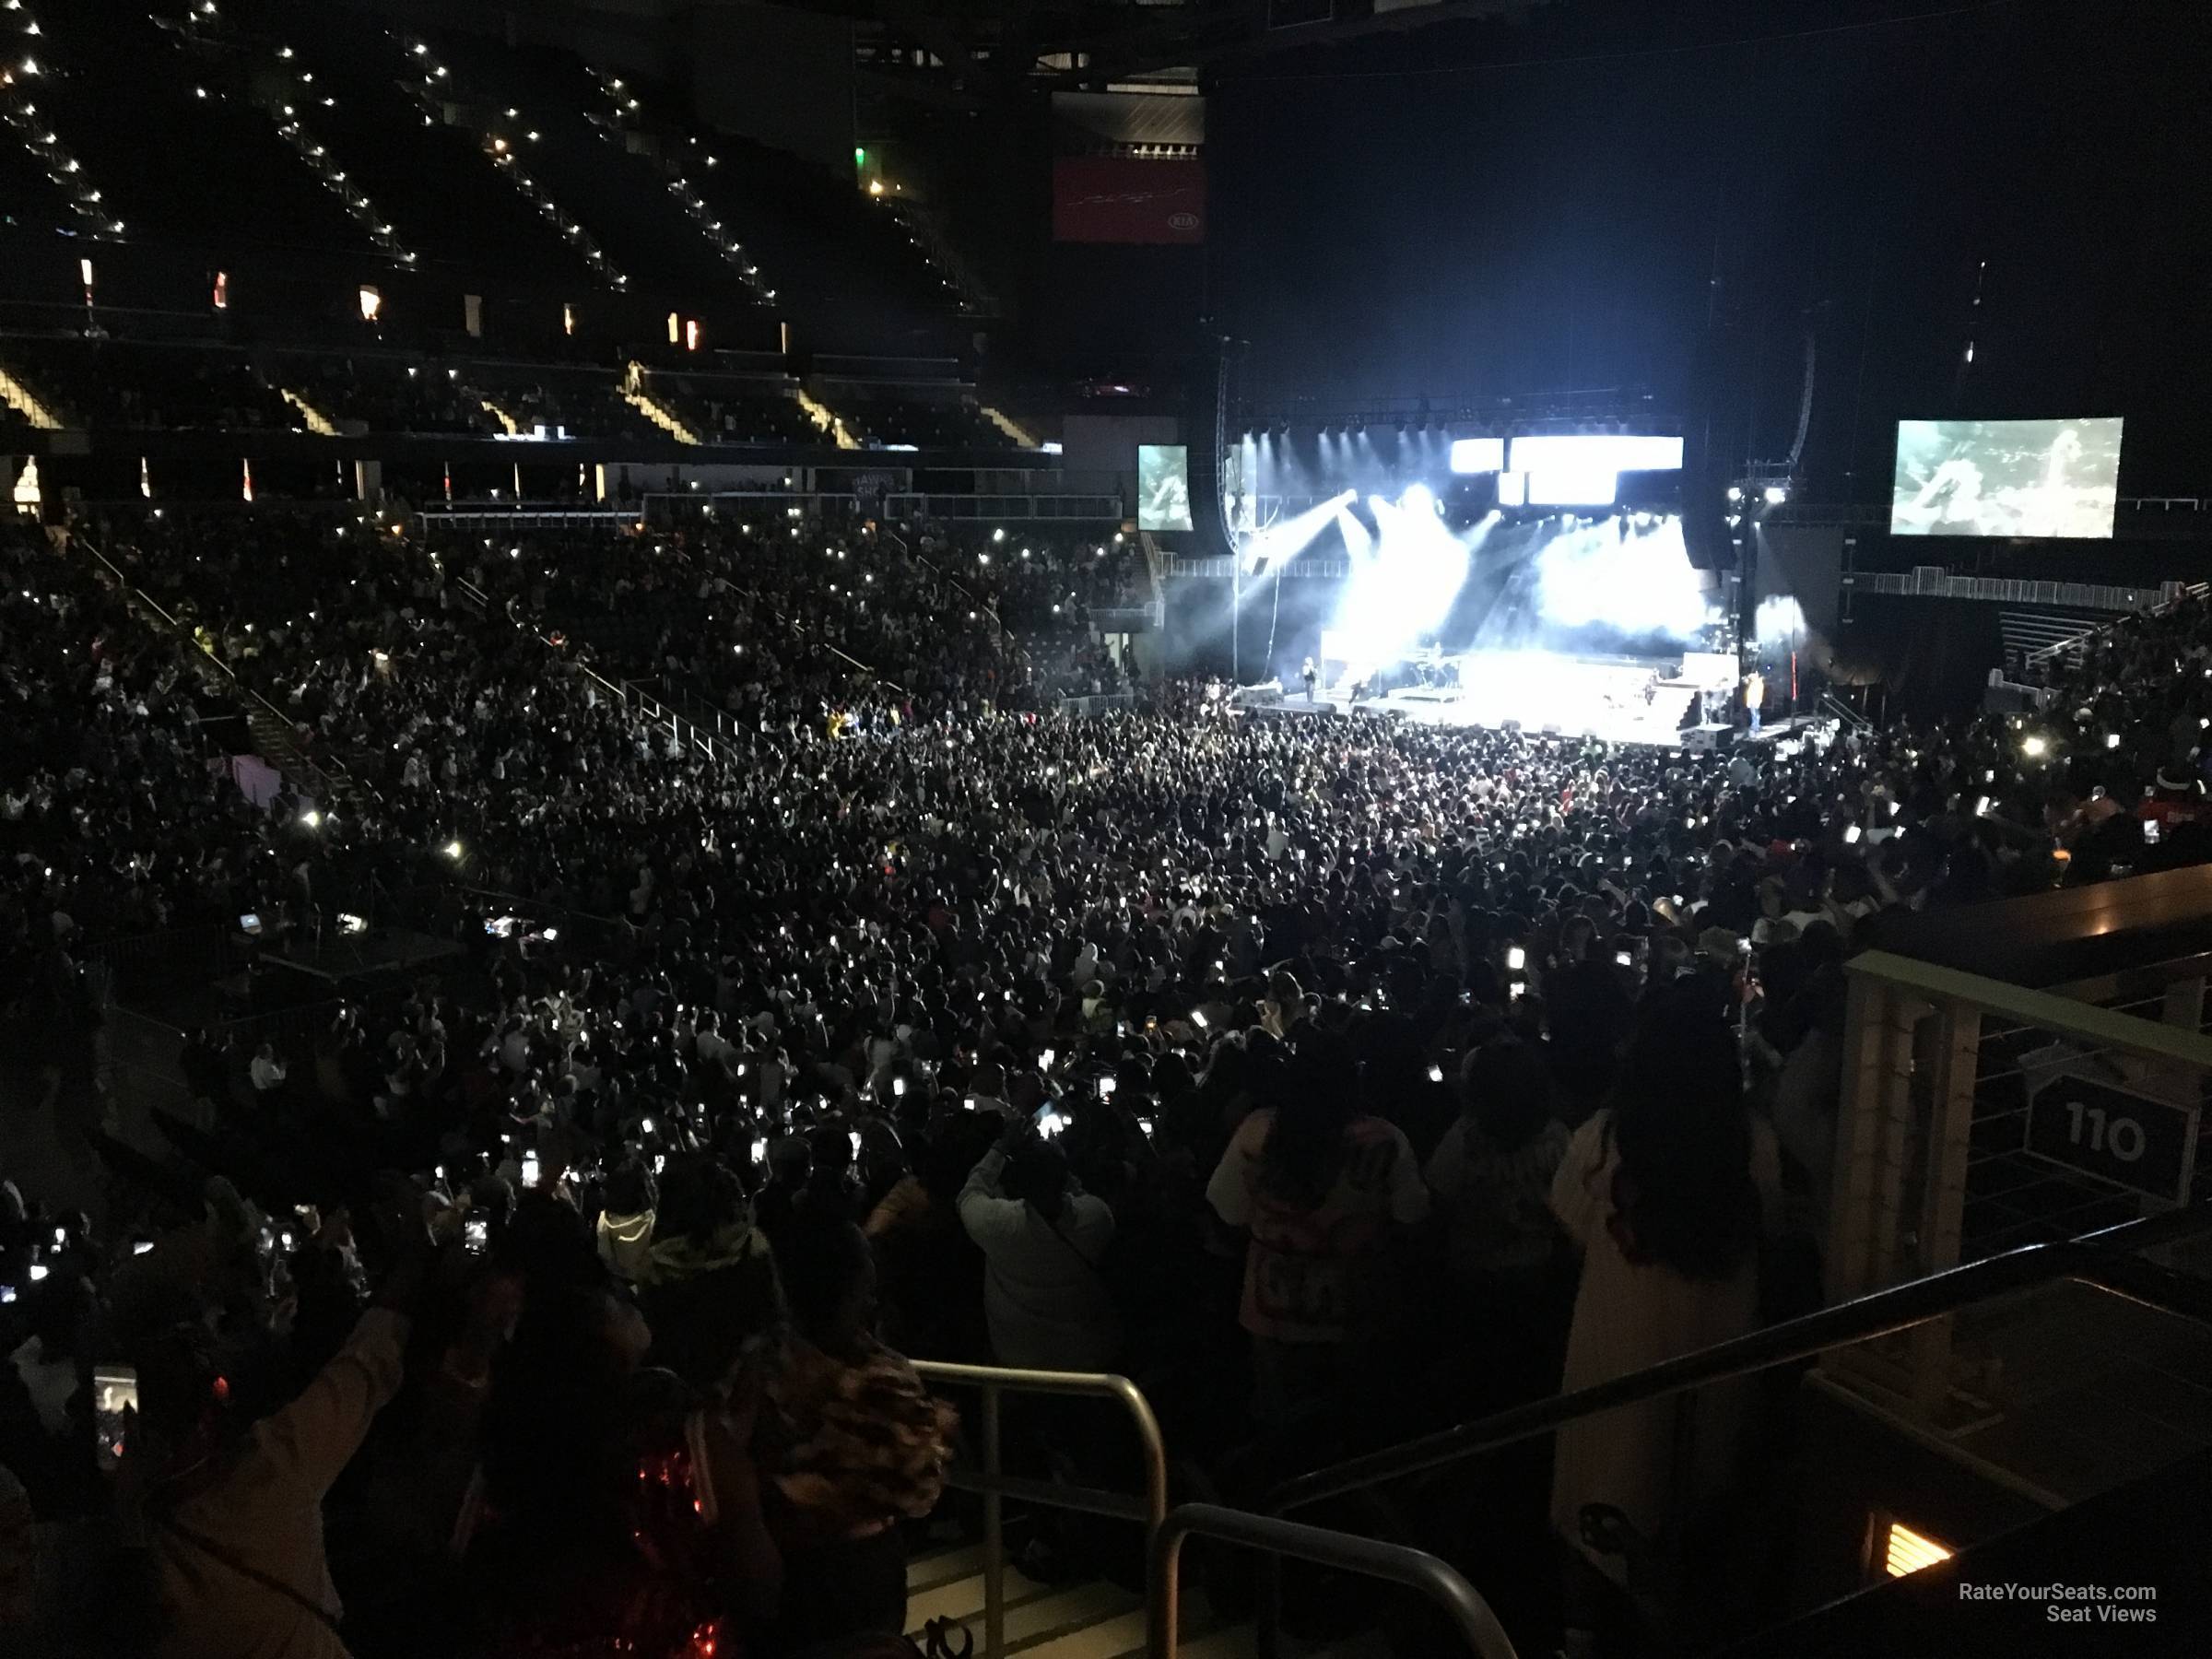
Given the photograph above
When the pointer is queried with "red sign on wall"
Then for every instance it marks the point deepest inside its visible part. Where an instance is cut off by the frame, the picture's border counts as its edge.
(1107, 199)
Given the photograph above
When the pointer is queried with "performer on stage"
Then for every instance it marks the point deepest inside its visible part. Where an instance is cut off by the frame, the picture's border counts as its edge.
(1310, 676)
(1755, 697)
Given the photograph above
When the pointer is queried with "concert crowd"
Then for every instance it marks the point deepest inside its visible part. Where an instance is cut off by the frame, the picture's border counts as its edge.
(852, 1003)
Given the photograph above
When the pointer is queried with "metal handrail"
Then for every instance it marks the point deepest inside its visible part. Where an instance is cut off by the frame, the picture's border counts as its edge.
(624, 692)
(315, 775)
(2061, 1016)
(2086, 1260)
(727, 586)
(995, 1486)
(1879, 1313)
(1370, 1558)
(2073, 642)
(1832, 704)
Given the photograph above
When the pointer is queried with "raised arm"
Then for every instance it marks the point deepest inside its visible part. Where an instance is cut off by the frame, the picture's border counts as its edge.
(313, 1439)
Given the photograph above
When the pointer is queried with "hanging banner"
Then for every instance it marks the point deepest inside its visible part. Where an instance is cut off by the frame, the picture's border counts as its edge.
(1108, 199)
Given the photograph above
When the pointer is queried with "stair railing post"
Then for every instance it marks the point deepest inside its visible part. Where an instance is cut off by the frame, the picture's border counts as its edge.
(1163, 1570)
(995, 1533)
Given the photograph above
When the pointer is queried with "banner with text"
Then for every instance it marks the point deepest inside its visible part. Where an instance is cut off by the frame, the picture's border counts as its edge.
(1108, 199)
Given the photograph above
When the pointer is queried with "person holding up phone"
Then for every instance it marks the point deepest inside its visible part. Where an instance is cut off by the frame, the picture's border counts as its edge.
(1042, 1239)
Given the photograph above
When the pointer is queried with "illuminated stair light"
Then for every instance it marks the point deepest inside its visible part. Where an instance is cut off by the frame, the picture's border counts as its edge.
(1906, 1551)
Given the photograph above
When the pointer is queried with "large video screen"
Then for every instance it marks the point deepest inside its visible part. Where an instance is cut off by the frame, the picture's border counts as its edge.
(1163, 487)
(2005, 477)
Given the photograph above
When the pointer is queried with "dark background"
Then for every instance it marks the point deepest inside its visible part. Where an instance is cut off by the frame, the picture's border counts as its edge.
(1570, 200)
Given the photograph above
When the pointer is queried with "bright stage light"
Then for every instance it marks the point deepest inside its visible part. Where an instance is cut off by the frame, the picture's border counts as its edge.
(1589, 575)
(1285, 539)
(1358, 542)
(1409, 584)
(1590, 488)
(1777, 494)
(1780, 619)
(1583, 454)
(1513, 490)
(1477, 455)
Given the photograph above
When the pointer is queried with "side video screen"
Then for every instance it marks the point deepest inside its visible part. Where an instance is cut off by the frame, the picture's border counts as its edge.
(1163, 487)
(2007, 477)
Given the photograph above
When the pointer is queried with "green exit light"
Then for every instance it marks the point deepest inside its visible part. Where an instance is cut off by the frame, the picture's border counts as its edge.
(860, 157)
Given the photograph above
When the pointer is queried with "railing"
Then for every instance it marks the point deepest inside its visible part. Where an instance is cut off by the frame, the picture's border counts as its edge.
(723, 584)
(1104, 702)
(606, 936)
(1370, 1557)
(711, 737)
(970, 508)
(1154, 564)
(996, 1485)
(137, 1056)
(1834, 708)
(1877, 514)
(1220, 567)
(975, 297)
(2100, 1259)
(2034, 659)
(905, 550)
(526, 516)
(327, 784)
(202, 954)
(1124, 619)
(982, 608)
(1934, 582)
(711, 729)
(1951, 1137)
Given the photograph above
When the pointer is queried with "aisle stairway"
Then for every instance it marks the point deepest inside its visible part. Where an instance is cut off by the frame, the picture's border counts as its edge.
(28, 404)
(276, 741)
(637, 394)
(1089, 1620)
(1095, 1620)
(1019, 434)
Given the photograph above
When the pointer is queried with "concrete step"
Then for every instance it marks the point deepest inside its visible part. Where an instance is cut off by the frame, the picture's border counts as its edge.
(1095, 1620)
(1123, 1636)
(1036, 1614)
(962, 1598)
(1230, 1641)
(942, 1567)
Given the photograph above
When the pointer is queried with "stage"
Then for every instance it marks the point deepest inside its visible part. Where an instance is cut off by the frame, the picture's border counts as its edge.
(306, 969)
(1619, 701)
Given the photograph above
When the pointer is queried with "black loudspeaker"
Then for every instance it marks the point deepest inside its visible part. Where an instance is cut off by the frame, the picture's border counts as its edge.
(1706, 467)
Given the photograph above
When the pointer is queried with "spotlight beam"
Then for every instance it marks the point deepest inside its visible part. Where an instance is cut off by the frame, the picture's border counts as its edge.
(1411, 582)
(1281, 542)
(1358, 541)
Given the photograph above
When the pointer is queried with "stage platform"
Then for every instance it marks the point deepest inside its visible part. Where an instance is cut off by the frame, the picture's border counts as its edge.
(1633, 723)
(1619, 700)
(341, 959)
(341, 965)
(1620, 724)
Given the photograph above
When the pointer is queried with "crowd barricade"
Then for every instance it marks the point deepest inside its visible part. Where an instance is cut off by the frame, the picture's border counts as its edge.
(1083, 708)
(526, 516)
(136, 963)
(2009, 697)
(605, 938)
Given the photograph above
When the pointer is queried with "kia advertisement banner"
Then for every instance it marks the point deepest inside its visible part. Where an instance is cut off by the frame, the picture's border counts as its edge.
(1107, 199)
